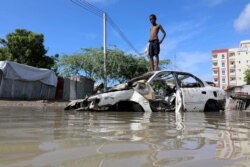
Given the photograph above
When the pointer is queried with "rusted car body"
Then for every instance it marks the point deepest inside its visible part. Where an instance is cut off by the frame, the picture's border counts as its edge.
(156, 91)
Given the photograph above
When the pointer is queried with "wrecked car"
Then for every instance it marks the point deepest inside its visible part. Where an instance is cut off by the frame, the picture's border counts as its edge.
(156, 91)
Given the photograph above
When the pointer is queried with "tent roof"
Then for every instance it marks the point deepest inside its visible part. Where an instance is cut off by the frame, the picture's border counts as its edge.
(16, 71)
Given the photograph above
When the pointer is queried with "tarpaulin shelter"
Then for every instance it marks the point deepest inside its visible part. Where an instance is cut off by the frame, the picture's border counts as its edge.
(19, 81)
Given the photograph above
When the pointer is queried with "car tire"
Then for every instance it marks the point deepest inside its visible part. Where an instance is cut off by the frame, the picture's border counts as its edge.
(211, 106)
(137, 108)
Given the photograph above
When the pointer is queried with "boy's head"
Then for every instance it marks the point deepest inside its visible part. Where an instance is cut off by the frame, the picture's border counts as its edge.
(152, 18)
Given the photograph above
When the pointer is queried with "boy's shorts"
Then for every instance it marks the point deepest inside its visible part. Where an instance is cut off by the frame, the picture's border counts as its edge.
(154, 48)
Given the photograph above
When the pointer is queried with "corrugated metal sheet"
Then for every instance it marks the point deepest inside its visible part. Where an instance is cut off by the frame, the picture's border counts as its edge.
(26, 90)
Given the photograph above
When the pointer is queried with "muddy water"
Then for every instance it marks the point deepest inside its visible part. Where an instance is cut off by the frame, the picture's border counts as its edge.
(51, 137)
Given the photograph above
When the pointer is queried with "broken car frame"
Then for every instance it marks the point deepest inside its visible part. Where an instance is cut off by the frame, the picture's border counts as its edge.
(156, 91)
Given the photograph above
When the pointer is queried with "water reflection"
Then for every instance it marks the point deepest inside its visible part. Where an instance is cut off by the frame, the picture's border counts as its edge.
(52, 137)
(233, 139)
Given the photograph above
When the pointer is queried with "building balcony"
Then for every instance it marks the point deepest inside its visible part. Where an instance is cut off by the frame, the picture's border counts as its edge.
(232, 73)
(215, 64)
(231, 55)
(232, 65)
(214, 57)
(232, 82)
(215, 61)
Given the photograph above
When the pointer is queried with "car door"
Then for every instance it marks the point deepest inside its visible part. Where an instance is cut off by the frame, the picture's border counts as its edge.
(194, 94)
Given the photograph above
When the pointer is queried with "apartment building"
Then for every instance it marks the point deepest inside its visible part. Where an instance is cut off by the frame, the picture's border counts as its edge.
(229, 65)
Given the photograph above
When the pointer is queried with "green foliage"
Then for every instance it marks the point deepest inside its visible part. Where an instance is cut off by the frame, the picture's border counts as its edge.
(164, 64)
(4, 54)
(120, 66)
(247, 76)
(26, 47)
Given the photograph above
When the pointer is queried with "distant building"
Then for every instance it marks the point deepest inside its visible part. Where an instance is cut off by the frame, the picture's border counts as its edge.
(229, 65)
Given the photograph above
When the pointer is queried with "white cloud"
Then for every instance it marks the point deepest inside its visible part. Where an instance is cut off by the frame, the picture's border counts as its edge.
(216, 2)
(190, 60)
(102, 1)
(242, 23)
(212, 3)
(90, 36)
(178, 34)
(196, 62)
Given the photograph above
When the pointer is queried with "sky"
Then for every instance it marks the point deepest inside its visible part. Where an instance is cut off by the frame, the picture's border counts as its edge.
(194, 27)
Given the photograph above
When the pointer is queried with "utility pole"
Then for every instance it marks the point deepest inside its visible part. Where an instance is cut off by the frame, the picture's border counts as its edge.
(175, 67)
(105, 50)
(102, 14)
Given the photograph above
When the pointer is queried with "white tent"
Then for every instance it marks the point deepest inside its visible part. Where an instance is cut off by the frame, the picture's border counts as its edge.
(18, 81)
(23, 72)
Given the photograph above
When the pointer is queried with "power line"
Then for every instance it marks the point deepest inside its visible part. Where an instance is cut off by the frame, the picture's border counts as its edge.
(85, 6)
(94, 7)
(98, 12)
(118, 30)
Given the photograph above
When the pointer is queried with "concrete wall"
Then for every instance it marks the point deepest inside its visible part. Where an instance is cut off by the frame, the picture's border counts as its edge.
(16, 89)
(77, 88)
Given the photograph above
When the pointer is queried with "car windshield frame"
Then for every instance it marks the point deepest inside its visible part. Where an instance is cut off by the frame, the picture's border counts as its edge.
(145, 77)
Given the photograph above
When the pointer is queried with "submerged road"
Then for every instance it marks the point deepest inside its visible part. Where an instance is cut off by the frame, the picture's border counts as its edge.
(49, 136)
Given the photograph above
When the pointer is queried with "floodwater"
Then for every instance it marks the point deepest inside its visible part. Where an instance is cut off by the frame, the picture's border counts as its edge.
(56, 138)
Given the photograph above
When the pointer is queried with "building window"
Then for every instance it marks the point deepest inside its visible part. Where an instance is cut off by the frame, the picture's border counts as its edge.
(231, 55)
(223, 80)
(222, 56)
(223, 72)
(223, 64)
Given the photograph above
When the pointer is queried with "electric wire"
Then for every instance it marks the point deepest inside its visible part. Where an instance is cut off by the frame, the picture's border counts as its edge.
(94, 7)
(98, 12)
(118, 30)
(85, 4)
(88, 8)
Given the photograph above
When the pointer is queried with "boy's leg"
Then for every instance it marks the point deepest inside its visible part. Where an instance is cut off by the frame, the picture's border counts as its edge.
(156, 62)
(151, 55)
(152, 63)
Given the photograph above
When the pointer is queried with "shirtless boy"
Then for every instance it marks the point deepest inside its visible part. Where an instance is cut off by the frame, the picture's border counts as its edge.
(154, 42)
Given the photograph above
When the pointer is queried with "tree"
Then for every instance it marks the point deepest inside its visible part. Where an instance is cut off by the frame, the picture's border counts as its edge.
(120, 66)
(4, 53)
(26, 47)
(247, 76)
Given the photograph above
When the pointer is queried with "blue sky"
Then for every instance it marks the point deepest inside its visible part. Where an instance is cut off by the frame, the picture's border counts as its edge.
(194, 27)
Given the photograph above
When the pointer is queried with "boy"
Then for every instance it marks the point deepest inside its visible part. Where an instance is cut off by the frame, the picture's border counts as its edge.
(154, 42)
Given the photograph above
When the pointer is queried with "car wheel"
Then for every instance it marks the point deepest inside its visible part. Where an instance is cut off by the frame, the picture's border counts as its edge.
(137, 108)
(212, 106)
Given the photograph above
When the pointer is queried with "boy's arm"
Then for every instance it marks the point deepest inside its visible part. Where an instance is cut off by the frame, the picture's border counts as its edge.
(164, 33)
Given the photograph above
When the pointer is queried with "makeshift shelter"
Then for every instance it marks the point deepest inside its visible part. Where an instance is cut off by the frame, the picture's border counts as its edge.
(19, 81)
(72, 88)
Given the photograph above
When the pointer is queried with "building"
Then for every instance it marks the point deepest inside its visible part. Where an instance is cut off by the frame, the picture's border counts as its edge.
(229, 65)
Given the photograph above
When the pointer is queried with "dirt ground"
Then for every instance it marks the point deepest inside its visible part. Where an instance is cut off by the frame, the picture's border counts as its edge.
(32, 103)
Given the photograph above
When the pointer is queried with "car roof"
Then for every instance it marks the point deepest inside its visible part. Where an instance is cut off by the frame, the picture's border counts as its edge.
(175, 71)
(179, 72)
